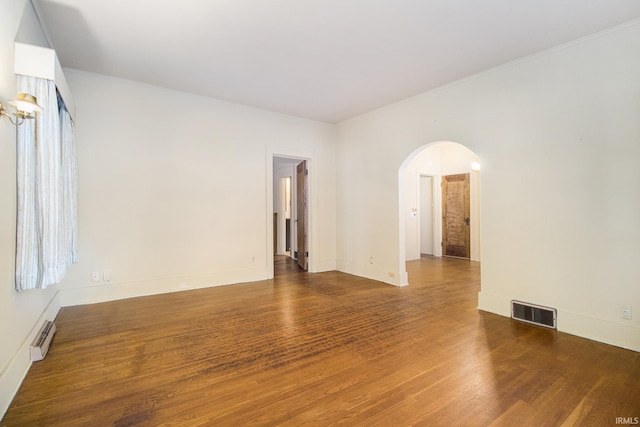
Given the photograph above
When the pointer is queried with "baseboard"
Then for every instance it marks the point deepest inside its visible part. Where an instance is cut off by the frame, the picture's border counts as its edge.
(496, 304)
(115, 291)
(404, 279)
(321, 266)
(14, 373)
(370, 271)
(604, 331)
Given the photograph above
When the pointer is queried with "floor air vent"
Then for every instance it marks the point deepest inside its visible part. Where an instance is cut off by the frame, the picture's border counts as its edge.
(531, 313)
(41, 344)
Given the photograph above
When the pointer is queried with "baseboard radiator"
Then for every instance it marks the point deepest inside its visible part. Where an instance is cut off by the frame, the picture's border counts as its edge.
(41, 344)
(536, 314)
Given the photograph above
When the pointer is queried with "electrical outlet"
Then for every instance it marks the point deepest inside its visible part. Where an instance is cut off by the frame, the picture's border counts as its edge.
(625, 312)
(95, 276)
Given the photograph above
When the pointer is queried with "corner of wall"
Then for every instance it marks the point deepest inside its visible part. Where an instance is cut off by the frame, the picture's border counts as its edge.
(492, 303)
(14, 373)
(395, 278)
(326, 265)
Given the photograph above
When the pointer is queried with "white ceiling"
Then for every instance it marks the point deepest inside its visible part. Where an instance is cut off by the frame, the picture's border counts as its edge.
(326, 60)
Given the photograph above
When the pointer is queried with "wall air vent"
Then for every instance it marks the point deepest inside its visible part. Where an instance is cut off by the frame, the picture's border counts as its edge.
(42, 342)
(531, 313)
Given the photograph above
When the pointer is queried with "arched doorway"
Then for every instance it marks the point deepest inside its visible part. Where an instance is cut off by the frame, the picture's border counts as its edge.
(424, 230)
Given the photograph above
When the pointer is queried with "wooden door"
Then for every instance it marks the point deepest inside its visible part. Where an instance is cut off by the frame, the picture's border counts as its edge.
(456, 234)
(301, 196)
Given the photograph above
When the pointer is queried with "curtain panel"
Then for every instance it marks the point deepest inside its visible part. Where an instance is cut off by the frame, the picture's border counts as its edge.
(47, 185)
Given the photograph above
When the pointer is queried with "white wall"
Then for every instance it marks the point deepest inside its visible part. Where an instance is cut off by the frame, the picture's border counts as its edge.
(426, 162)
(559, 139)
(176, 190)
(426, 218)
(437, 160)
(21, 314)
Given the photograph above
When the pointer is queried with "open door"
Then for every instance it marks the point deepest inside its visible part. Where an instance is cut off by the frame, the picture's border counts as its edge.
(456, 211)
(301, 194)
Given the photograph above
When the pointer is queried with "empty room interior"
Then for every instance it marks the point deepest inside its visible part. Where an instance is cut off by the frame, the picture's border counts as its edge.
(317, 213)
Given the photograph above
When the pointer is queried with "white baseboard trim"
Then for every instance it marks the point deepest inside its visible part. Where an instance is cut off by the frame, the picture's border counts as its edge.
(369, 271)
(604, 331)
(496, 304)
(404, 279)
(14, 373)
(322, 266)
(115, 291)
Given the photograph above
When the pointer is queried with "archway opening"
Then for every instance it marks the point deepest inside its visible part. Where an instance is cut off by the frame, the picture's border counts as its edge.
(431, 222)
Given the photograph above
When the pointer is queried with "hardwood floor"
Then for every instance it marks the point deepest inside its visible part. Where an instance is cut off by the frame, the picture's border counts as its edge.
(322, 349)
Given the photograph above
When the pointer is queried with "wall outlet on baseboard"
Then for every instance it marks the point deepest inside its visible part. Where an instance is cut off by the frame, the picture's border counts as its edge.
(625, 312)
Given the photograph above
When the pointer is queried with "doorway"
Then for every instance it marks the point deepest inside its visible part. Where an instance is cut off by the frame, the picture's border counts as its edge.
(456, 233)
(423, 229)
(290, 211)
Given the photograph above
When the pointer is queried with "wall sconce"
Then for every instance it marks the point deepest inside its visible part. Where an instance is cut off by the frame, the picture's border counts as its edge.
(26, 106)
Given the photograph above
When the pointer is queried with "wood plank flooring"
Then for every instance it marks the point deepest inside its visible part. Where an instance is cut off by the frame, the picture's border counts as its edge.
(322, 349)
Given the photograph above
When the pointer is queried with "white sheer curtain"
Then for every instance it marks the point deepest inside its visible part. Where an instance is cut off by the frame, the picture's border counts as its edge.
(70, 186)
(46, 238)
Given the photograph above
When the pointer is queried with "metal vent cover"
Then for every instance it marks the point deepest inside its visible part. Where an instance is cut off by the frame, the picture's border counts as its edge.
(41, 344)
(536, 314)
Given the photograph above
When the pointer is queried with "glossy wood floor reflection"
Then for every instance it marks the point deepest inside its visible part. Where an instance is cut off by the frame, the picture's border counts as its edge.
(322, 349)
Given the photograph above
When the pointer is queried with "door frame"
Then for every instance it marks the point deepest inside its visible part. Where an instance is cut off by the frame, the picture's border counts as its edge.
(311, 185)
(436, 212)
(301, 224)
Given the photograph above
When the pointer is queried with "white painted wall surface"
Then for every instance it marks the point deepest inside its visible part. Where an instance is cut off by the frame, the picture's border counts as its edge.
(412, 238)
(426, 215)
(559, 139)
(21, 314)
(176, 190)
